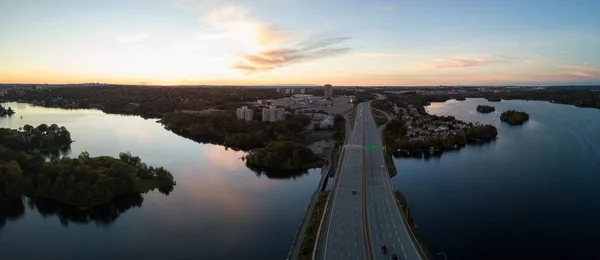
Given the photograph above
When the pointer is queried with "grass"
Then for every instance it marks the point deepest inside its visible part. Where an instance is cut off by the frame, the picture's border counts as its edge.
(352, 117)
(411, 224)
(379, 117)
(310, 237)
(325, 151)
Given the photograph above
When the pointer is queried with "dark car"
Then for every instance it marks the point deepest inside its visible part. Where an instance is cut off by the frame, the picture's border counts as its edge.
(383, 248)
(353, 192)
(394, 257)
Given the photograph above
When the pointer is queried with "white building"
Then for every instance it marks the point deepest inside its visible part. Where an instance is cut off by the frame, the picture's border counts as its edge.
(273, 114)
(302, 91)
(244, 113)
(328, 90)
(287, 91)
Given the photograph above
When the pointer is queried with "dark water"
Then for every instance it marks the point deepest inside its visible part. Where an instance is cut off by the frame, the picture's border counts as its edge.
(219, 209)
(532, 194)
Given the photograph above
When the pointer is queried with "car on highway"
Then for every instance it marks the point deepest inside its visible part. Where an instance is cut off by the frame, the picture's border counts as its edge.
(383, 248)
(394, 257)
(353, 192)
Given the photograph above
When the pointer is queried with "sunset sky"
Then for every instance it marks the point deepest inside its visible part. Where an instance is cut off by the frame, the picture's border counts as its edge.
(350, 42)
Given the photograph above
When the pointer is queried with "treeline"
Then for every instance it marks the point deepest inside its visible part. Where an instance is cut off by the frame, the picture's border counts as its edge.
(6, 111)
(226, 129)
(149, 102)
(29, 138)
(514, 117)
(284, 155)
(485, 109)
(576, 97)
(82, 181)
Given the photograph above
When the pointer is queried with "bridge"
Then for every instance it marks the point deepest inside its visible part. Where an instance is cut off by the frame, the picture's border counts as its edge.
(362, 212)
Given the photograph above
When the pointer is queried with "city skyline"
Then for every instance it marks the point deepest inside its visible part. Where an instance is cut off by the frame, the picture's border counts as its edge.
(283, 42)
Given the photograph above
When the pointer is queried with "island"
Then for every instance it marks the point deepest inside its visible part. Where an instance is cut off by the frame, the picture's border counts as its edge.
(6, 111)
(514, 117)
(485, 109)
(84, 181)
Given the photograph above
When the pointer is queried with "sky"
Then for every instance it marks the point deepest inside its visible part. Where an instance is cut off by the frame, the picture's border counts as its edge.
(339, 42)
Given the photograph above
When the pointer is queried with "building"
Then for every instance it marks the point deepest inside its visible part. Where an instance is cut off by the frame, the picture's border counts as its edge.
(2, 92)
(20, 92)
(273, 114)
(245, 113)
(278, 90)
(302, 91)
(287, 91)
(328, 90)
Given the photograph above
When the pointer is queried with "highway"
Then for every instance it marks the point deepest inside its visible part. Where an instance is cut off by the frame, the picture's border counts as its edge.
(386, 224)
(357, 224)
(343, 234)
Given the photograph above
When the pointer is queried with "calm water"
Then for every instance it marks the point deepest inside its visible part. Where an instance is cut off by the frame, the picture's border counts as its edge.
(219, 209)
(532, 194)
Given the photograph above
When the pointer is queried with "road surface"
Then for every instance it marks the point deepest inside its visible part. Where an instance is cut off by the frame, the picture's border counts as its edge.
(386, 225)
(348, 234)
(343, 236)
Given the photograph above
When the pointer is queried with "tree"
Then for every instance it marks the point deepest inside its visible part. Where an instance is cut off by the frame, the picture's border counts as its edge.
(42, 127)
(53, 127)
(28, 128)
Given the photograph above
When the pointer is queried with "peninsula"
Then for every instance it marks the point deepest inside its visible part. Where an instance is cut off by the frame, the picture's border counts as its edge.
(83, 181)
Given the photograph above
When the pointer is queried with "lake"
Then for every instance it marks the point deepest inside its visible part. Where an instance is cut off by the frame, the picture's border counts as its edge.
(532, 194)
(219, 209)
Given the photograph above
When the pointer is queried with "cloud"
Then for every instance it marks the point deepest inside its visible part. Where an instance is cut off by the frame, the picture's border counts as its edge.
(457, 63)
(232, 21)
(529, 62)
(583, 71)
(375, 54)
(130, 38)
(582, 74)
(275, 58)
(468, 61)
(258, 46)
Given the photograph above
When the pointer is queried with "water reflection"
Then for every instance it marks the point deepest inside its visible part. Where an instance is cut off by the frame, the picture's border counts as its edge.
(103, 215)
(11, 210)
(57, 153)
(277, 174)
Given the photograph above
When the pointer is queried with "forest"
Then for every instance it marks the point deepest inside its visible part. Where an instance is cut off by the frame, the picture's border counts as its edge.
(514, 117)
(284, 155)
(32, 139)
(83, 181)
(226, 129)
(148, 102)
